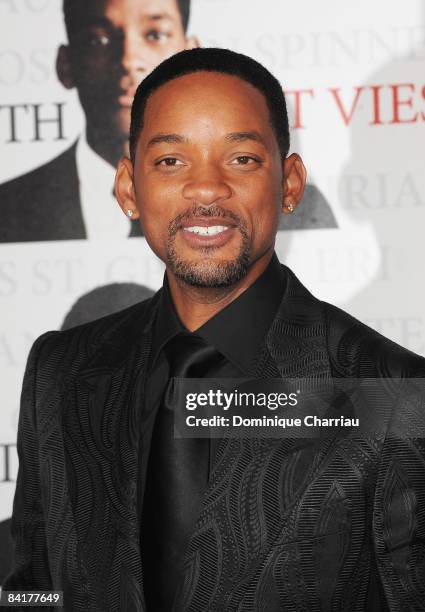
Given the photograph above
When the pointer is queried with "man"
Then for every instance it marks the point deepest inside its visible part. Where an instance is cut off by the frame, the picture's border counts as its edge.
(120, 515)
(112, 46)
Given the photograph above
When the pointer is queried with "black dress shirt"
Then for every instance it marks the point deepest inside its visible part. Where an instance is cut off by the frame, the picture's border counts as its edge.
(237, 332)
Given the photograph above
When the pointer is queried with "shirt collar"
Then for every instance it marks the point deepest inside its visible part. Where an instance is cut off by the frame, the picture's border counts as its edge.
(102, 216)
(167, 323)
(239, 329)
(93, 171)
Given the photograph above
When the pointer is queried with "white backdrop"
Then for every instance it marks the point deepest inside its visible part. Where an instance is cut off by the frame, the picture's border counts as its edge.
(354, 73)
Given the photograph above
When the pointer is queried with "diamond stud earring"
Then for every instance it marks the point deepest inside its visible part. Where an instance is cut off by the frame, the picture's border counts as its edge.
(290, 207)
(129, 213)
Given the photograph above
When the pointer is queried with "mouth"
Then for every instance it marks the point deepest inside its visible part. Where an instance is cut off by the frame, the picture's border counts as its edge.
(207, 232)
(125, 100)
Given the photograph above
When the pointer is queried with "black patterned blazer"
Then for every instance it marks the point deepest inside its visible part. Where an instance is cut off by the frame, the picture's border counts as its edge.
(285, 525)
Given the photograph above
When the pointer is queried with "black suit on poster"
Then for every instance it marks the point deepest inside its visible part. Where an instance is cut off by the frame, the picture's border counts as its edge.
(45, 205)
(288, 524)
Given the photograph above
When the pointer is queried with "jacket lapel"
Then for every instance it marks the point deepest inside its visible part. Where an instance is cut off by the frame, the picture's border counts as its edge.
(255, 483)
(64, 216)
(295, 346)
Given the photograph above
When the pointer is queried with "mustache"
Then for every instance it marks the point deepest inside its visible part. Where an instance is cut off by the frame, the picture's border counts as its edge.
(197, 212)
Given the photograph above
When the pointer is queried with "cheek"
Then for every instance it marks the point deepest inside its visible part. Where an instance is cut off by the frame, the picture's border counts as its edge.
(87, 63)
(155, 55)
(158, 195)
(156, 204)
(263, 201)
(92, 84)
(155, 230)
(263, 213)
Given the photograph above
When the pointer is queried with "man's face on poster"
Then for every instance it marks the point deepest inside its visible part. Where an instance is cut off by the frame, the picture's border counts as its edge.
(113, 45)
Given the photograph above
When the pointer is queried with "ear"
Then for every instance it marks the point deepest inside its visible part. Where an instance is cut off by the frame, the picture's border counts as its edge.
(64, 67)
(294, 180)
(192, 42)
(124, 188)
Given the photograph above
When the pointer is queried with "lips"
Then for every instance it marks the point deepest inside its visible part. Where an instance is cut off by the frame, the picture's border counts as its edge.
(207, 232)
(126, 99)
(206, 222)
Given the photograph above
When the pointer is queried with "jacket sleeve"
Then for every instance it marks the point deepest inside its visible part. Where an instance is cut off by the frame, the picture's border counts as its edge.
(399, 509)
(31, 564)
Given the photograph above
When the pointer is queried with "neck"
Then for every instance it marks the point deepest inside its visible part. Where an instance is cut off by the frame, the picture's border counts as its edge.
(110, 149)
(196, 305)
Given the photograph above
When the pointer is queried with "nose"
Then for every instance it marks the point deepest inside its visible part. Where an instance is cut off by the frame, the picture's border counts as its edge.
(207, 188)
(132, 60)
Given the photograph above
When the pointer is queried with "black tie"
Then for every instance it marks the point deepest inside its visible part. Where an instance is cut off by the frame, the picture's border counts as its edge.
(177, 477)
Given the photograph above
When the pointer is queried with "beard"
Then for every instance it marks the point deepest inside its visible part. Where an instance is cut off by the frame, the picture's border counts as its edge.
(209, 273)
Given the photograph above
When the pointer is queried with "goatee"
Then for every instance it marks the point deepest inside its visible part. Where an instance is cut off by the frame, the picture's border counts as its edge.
(209, 273)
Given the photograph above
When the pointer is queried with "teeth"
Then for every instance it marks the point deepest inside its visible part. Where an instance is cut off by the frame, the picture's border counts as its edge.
(206, 231)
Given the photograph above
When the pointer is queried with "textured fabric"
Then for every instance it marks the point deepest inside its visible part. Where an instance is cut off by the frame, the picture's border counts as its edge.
(294, 525)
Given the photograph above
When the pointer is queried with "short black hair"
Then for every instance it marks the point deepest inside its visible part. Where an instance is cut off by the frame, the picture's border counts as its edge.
(222, 61)
(183, 6)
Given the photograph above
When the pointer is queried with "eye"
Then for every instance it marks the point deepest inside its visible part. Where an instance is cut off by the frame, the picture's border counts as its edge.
(99, 40)
(169, 162)
(156, 36)
(245, 160)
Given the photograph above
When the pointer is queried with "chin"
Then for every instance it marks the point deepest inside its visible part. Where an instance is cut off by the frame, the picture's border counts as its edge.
(123, 120)
(209, 274)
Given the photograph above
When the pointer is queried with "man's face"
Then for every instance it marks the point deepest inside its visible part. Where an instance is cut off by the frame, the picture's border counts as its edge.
(113, 45)
(208, 177)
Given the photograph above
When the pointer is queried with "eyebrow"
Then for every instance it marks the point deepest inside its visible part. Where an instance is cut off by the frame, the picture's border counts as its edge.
(98, 21)
(243, 136)
(101, 21)
(159, 17)
(232, 137)
(168, 139)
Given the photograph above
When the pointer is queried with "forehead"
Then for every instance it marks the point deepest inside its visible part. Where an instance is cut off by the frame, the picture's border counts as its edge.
(207, 100)
(88, 11)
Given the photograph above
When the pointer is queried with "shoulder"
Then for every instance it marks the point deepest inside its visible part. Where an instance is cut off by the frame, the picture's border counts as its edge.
(313, 329)
(105, 341)
(357, 350)
(37, 178)
(42, 204)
